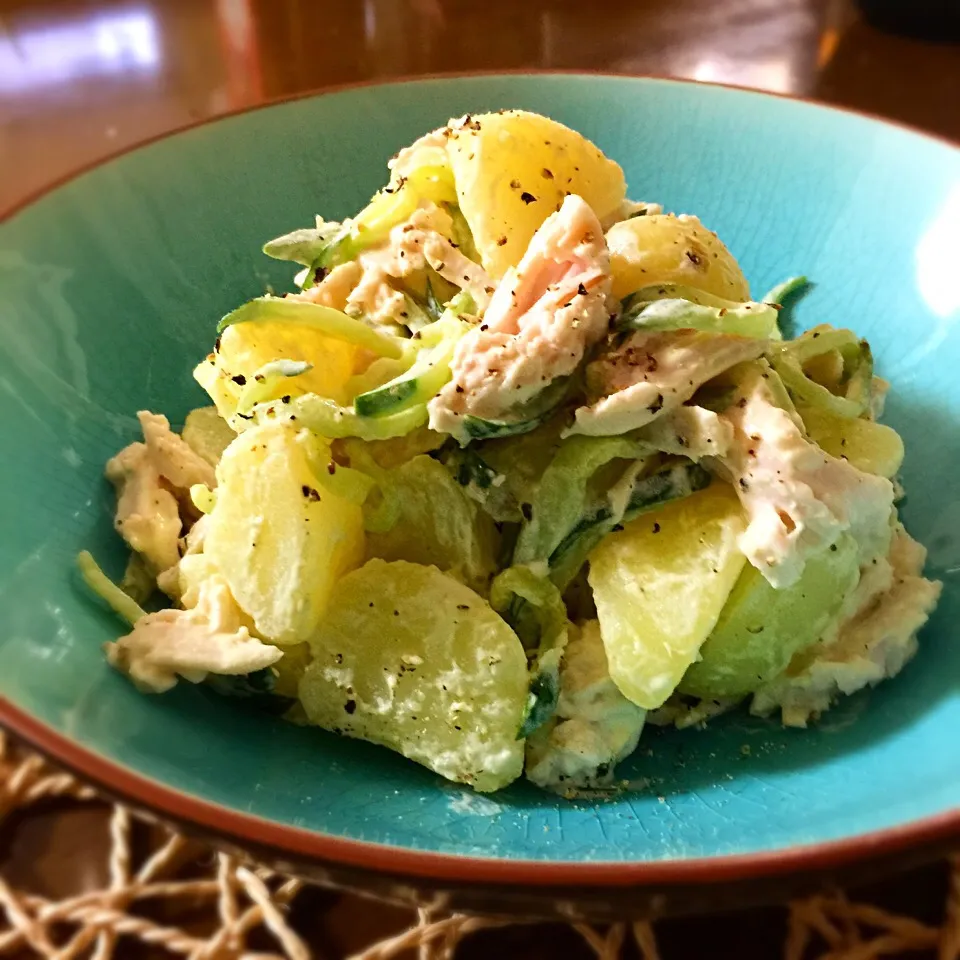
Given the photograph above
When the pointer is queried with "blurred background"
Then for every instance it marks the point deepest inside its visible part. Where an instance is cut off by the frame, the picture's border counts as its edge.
(80, 79)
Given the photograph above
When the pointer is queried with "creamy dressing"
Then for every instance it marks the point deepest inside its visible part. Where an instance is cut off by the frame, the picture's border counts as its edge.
(689, 431)
(595, 725)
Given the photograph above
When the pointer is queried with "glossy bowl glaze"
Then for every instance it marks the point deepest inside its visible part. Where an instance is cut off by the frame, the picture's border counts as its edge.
(111, 287)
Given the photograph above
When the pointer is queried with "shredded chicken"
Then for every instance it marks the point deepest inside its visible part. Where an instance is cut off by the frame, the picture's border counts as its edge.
(543, 316)
(173, 581)
(149, 477)
(210, 638)
(175, 460)
(798, 499)
(335, 288)
(651, 374)
(430, 150)
(364, 286)
(869, 643)
(147, 515)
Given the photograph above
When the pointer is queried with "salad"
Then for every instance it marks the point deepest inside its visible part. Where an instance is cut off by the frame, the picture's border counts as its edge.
(519, 467)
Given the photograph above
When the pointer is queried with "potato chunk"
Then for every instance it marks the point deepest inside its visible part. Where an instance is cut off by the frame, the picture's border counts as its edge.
(513, 169)
(660, 585)
(410, 658)
(279, 538)
(668, 249)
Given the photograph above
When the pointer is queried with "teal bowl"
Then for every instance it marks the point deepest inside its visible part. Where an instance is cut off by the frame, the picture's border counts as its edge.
(111, 286)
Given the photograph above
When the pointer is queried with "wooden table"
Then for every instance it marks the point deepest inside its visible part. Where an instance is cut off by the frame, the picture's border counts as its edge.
(80, 79)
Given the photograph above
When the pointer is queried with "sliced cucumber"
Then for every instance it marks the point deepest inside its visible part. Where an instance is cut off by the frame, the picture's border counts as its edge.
(430, 371)
(386, 399)
(305, 246)
(545, 631)
(758, 320)
(331, 322)
(523, 418)
(671, 291)
(647, 494)
(789, 359)
(328, 419)
(783, 291)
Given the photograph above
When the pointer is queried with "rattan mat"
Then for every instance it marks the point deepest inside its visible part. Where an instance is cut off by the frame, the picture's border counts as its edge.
(139, 890)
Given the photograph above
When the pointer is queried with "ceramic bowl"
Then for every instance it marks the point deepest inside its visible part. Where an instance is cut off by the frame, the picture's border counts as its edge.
(111, 286)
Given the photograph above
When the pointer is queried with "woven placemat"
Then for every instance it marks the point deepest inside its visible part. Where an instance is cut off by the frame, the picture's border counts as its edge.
(143, 891)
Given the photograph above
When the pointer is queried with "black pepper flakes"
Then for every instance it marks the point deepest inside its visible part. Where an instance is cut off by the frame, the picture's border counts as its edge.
(582, 290)
(528, 197)
(310, 493)
(546, 174)
(527, 510)
(514, 184)
(239, 379)
(350, 706)
(501, 241)
(656, 527)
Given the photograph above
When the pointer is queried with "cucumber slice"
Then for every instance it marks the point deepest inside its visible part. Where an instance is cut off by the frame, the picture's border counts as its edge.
(328, 321)
(430, 371)
(523, 418)
(647, 494)
(385, 399)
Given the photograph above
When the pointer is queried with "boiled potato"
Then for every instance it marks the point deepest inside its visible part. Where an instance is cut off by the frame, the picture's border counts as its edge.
(207, 434)
(659, 586)
(869, 446)
(513, 169)
(437, 523)
(279, 538)
(760, 628)
(667, 249)
(410, 658)
(245, 347)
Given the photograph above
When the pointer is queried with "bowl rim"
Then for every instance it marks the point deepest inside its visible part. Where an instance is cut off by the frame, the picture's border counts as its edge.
(243, 829)
(38, 193)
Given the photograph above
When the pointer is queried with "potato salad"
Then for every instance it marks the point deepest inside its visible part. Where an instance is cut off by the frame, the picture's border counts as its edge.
(518, 467)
